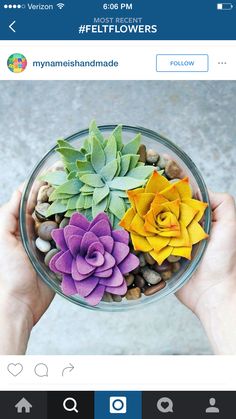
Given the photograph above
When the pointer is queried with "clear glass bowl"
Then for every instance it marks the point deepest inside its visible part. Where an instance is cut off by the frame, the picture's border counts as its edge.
(152, 140)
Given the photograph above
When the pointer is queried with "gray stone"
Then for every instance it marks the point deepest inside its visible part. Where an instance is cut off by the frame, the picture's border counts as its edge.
(151, 276)
(49, 256)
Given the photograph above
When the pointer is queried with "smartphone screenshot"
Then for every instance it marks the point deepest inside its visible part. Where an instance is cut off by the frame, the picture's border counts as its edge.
(117, 209)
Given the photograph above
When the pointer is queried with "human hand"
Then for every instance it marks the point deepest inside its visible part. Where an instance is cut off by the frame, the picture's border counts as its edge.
(22, 294)
(211, 292)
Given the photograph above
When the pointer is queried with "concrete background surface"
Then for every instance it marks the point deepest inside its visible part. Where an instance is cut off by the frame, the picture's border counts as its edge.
(198, 116)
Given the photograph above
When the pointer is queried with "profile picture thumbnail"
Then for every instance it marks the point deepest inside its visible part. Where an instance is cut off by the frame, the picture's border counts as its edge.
(17, 63)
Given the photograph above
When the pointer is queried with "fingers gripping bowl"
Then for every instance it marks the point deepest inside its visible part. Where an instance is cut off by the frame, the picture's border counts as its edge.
(115, 217)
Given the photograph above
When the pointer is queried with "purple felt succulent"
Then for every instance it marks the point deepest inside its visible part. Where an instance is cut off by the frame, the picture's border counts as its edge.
(93, 258)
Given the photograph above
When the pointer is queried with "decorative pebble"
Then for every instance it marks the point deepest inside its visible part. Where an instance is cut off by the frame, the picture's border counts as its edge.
(173, 170)
(50, 191)
(173, 258)
(49, 256)
(37, 224)
(142, 153)
(152, 156)
(129, 280)
(133, 294)
(42, 245)
(176, 267)
(42, 194)
(151, 276)
(58, 165)
(41, 210)
(136, 270)
(142, 260)
(58, 218)
(45, 230)
(162, 162)
(154, 288)
(116, 298)
(107, 298)
(149, 259)
(139, 281)
(166, 275)
(165, 266)
(64, 222)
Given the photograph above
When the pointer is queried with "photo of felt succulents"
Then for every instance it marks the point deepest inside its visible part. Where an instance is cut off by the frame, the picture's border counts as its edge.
(117, 221)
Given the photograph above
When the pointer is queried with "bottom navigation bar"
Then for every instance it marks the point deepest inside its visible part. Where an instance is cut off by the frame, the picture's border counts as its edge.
(104, 405)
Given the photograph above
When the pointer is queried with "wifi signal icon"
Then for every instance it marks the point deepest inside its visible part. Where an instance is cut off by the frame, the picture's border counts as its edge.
(60, 5)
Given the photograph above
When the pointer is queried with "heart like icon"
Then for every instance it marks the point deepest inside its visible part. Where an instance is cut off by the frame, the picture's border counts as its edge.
(15, 369)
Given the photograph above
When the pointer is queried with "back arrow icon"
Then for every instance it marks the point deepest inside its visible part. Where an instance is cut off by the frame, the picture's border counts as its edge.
(11, 26)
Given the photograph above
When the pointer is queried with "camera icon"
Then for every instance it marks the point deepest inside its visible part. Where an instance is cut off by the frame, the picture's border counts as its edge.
(118, 405)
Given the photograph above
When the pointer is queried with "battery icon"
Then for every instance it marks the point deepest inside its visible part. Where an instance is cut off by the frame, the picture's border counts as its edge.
(225, 6)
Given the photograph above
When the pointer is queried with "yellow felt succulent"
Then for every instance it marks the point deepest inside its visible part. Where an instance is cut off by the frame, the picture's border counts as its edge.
(164, 218)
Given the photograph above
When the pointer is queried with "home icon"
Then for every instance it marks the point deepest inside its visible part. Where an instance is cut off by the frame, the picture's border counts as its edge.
(23, 406)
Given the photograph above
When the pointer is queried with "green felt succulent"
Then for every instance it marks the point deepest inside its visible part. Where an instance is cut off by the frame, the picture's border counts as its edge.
(97, 176)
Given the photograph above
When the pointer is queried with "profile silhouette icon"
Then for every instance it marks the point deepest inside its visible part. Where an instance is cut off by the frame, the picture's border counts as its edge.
(212, 408)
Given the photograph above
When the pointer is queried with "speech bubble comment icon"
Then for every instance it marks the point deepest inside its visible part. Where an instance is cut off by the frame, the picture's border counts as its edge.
(165, 405)
(41, 370)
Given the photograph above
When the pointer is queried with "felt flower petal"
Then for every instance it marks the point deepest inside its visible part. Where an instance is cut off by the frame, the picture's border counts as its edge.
(162, 254)
(75, 273)
(104, 274)
(196, 232)
(109, 262)
(156, 183)
(187, 213)
(140, 243)
(171, 193)
(120, 236)
(83, 266)
(85, 287)
(131, 194)
(95, 247)
(96, 295)
(129, 264)
(121, 290)
(52, 262)
(183, 239)
(115, 280)
(88, 239)
(96, 260)
(184, 252)
(64, 262)
(120, 251)
(74, 244)
(108, 243)
(58, 237)
(70, 230)
(173, 207)
(100, 217)
(158, 242)
(127, 219)
(199, 206)
(101, 228)
(79, 220)
(143, 202)
(183, 188)
(68, 285)
(137, 226)
(157, 202)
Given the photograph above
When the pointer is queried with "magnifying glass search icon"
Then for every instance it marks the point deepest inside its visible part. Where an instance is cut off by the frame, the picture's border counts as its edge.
(70, 405)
